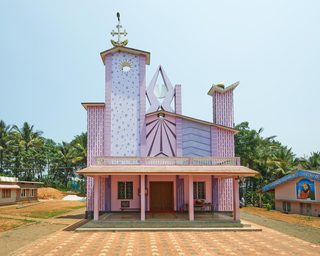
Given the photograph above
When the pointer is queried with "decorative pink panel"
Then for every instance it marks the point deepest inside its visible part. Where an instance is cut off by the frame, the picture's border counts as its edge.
(223, 146)
(223, 108)
(95, 121)
(225, 190)
(177, 99)
(161, 136)
(224, 143)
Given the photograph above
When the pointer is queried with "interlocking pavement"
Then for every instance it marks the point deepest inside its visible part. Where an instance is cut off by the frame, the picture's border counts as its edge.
(267, 242)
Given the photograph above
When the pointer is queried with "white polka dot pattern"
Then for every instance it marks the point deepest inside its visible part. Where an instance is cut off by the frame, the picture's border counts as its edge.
(125, 106)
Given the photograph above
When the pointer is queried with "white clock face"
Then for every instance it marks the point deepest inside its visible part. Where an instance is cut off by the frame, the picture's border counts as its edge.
(125, 66)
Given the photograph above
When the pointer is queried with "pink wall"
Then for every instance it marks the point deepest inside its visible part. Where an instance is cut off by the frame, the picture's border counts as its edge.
(115, 202)
(287, 190)
(208, 186)
(225, 192)
(95, 121)
(222, 104)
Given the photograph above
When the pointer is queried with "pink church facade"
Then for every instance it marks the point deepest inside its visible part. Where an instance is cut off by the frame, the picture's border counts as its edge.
(145, 156)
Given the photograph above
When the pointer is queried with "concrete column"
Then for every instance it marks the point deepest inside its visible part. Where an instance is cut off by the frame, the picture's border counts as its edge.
(142, 197)
(191, 207)
(236, 207)
(96, 198)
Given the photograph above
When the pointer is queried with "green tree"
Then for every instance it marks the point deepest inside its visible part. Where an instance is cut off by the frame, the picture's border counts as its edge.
(312, 162)
(4, 144)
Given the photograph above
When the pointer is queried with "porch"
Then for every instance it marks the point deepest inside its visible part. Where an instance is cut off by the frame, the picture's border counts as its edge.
(178, 186)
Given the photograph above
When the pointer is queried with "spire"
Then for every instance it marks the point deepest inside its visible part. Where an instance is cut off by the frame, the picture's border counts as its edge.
(119, 33)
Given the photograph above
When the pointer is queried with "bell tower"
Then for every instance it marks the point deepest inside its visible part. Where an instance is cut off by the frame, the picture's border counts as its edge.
(125, 105)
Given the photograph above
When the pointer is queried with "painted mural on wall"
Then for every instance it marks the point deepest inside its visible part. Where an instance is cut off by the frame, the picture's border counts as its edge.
(305, 189)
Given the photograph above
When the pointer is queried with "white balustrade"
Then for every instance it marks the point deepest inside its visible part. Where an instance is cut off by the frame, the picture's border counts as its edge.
(118, 160)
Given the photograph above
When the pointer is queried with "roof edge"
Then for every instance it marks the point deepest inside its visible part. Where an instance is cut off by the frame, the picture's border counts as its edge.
(291, 176)
(194, 120)
(218, 89)
(86, 105)
(125, 49)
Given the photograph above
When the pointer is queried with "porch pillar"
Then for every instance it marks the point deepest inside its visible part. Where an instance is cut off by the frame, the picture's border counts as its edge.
(96, 198)
(236, 208)
(142, 197)
(191, 207)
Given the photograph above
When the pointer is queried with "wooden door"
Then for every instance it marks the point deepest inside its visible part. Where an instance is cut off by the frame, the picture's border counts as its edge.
(161, 196)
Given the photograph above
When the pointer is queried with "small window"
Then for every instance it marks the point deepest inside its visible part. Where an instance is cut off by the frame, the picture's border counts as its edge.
(199, 191)
(286, 206)
(23, 193)
(125, 190)
(32, 193)
(6, 193)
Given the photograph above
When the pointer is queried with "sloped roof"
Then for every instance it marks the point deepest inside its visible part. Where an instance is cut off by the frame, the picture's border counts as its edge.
(218, 170)
(216, 88)
(300, 173)
(86, 105)
(127, 50)
(193, 120)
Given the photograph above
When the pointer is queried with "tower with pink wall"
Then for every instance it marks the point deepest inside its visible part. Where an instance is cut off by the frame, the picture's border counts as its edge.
(223, 140)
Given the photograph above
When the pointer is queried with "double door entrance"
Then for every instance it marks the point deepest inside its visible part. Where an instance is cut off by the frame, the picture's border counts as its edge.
(161, 196)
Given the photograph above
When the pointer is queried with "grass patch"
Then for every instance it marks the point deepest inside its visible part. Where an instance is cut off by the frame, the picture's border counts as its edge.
(11, 223)
(45, 209)
(51, 213)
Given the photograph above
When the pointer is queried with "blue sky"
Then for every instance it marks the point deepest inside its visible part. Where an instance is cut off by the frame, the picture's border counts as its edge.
(50, 62)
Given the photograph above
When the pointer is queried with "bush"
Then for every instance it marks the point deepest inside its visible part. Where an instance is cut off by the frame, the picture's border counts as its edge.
(268, 206)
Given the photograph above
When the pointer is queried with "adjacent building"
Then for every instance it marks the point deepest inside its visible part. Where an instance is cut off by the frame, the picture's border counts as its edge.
(297, 192)
(12, 190)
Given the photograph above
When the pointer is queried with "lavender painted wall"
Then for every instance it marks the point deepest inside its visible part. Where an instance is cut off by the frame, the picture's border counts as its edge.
(125, 106)
(196, 139)
(161, 136)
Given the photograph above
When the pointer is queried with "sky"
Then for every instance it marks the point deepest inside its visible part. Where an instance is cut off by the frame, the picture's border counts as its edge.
(50, 60)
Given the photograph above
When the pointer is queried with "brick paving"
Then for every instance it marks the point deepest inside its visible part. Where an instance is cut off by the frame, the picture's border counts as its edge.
(267, 242)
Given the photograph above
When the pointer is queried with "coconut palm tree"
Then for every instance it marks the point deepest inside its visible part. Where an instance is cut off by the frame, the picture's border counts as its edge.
(79, 144)
(27, 146)
(28, 137)
(312, 162)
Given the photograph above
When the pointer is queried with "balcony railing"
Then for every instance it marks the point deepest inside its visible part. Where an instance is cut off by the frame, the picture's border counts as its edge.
(118, 160)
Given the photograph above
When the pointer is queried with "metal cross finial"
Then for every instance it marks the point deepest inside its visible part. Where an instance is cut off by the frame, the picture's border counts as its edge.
(119, 33)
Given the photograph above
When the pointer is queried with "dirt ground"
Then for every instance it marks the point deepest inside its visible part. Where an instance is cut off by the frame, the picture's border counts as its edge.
(50, 193)
(17, 229)
(44, 209)
(289, 218)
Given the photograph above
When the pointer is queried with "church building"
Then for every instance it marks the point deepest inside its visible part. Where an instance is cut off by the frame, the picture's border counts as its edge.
(145, 156)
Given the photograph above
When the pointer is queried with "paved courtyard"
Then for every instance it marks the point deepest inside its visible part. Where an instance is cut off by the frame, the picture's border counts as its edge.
(267, 242)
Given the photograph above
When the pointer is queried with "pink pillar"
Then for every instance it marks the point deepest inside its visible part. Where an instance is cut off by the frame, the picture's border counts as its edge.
(191, 207)
(236, 208)
(142, 197)
(96, 198)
